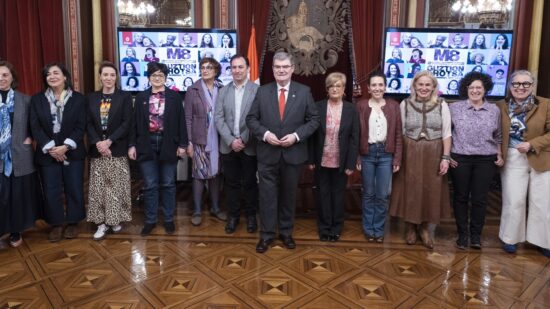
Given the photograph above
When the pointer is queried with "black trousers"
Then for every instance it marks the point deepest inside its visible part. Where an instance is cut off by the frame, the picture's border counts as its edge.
(278, 185)
(471, 180)
(330, 200)
(240, 178)
(60, 180)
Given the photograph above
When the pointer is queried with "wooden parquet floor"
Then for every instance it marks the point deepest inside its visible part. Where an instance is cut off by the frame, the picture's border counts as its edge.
(202, 267)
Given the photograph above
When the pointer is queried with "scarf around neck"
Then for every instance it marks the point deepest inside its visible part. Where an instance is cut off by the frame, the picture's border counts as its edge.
(518, 112)
(6, 108)
(57, 106)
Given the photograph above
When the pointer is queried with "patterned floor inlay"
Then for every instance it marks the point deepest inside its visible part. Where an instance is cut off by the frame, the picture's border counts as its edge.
(202, 267)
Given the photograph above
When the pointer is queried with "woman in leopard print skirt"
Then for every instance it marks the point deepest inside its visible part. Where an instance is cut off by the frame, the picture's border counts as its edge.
(109, 118)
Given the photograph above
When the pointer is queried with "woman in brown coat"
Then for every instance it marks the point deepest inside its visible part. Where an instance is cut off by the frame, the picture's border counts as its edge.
(526, 172)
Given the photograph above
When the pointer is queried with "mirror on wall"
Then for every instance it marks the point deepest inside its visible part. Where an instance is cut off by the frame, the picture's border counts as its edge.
(470, 14)
(146, 13)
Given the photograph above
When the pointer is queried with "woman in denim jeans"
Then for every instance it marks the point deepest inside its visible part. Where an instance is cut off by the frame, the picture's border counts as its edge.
(380, 148)
(158, 138)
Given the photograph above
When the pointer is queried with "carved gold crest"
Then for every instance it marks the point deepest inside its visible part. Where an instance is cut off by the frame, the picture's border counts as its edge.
(312, 31)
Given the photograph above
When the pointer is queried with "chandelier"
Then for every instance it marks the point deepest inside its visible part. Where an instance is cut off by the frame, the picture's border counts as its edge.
(186, 22)
(488, 12)
(135, 14)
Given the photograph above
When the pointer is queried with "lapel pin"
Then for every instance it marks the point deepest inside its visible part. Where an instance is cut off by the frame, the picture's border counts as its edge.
(293, 95)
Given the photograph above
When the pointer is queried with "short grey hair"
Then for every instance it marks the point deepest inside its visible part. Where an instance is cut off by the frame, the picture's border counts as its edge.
(521, 72)
(281, 56)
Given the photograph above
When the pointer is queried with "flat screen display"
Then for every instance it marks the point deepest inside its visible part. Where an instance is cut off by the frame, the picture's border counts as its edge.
(448, 54)
(180, 49)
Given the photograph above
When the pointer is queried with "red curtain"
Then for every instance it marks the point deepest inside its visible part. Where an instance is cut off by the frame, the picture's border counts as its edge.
(520, 47)
(108, 30)
(367, 19)
(32, 36)
(247, 10)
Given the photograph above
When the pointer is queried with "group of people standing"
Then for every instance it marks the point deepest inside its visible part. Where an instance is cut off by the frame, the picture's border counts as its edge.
(469, 139)
(272, 131)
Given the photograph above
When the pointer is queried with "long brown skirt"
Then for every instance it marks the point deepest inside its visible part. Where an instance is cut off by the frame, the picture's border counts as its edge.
(419, 193)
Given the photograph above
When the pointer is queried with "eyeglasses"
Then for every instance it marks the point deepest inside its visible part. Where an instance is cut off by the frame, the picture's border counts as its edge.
(524, 84)
(475, 88)
(207, 68)
(281, 67)
(160, 76)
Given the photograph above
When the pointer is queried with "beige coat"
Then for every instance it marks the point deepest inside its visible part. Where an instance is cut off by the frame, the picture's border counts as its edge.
(537, 134)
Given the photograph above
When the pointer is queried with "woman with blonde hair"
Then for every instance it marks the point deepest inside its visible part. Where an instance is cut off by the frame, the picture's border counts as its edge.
(335, 146)
(420, 194)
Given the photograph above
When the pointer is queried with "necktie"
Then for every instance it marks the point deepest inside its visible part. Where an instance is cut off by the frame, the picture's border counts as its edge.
(282, 102)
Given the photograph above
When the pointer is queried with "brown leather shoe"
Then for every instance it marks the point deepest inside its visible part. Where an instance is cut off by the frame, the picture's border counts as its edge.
(71, 231)
(56, 234)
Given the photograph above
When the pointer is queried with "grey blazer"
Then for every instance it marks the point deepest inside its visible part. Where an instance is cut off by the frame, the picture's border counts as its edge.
(196, 113)
(300, 116)
(225, 117)
(22, 154)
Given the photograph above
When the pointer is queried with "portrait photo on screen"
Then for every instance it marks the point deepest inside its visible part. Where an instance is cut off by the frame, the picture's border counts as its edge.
(180, 49)
(448, 54)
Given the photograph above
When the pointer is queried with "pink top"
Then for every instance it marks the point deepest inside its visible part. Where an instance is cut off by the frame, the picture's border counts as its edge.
(331, 150)
(156, 112)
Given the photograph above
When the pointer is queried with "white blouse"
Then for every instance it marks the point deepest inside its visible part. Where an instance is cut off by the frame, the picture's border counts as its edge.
(378, 126)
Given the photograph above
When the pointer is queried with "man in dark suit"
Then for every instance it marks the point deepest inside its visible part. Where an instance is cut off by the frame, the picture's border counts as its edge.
(237, 148)
(282, 117)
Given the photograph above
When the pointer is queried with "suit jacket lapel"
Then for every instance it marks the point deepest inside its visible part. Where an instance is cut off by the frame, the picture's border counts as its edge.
(96, 105)
(18, 113)
(247, 99)
(204, 100)
(18, 108)
(47, 114)
(230, 97)
(115, 105)
(168, 107)
(145, 105)
(323, 110)
(67, 111)
(531, 112)
(290, 100)
(275, 100)
(346, 116)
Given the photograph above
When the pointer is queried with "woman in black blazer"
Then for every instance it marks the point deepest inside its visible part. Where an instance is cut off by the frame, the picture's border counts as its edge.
(109, 119)
(20, 194)
(334, 149)
(158, 139)
(58, 122)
